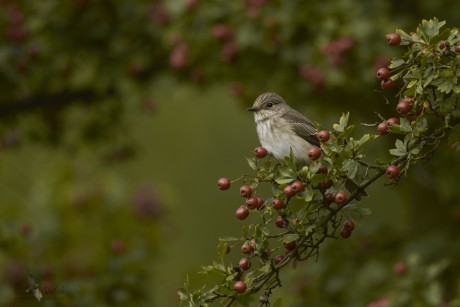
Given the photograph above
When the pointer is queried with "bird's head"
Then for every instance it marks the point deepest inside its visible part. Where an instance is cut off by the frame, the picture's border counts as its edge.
(268, 104)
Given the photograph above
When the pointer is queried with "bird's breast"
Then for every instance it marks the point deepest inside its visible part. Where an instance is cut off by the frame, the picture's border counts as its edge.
(276, 135)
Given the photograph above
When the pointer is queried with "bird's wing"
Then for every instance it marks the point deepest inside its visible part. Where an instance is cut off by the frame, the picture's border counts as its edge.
(303, 128)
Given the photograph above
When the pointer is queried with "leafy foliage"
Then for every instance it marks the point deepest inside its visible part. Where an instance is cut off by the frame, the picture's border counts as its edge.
(309, 218)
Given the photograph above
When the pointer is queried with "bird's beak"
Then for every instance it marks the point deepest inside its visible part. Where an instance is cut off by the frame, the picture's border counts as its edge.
(253, 109)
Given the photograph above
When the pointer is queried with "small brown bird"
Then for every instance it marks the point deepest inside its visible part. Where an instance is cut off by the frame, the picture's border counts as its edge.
(281, 129)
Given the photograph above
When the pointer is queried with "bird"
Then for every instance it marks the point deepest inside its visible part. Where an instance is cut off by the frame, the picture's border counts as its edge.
(282, 129)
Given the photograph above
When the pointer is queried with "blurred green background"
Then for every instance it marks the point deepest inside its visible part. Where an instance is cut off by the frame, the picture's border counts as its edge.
(118, 117)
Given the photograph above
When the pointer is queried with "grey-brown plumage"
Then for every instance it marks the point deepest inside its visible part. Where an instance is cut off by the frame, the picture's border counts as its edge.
(281, 128)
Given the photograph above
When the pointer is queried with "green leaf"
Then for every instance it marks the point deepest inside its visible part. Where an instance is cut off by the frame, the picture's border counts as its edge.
(411, 83)
(454, 135)
(447, 86)
(222, 249)
(431, 27)
(421, 125)
(252, 163)
(396, 63)
(266, 268)
(405, 38)
(290, 237)
(343, 122)
(229, 239)
(400, 149)
(351, 167)
(366, 138)
(355, 212)
(405, 125)
(287, 175)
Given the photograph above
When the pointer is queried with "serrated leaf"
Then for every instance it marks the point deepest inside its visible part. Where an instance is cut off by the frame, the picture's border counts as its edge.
(290, 237)
(421, 124)
(431, 27)
(351, 167)
(400, 149)
(343, 122)
(447, 86)
(229, 239)
(396, 63)
(405, 125)
(355, 212)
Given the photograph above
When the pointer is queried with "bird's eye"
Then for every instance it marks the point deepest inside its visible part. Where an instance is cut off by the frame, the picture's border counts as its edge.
(269, 104)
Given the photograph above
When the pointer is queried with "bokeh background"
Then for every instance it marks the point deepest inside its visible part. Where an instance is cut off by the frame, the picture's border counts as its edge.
(118, 117)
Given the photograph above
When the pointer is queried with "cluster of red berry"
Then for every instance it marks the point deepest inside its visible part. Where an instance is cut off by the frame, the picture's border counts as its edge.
(278, 203)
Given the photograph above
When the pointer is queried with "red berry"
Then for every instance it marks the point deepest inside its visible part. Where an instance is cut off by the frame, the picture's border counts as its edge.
(340, 198)
(242, 213)
(403, 107)
(383, 73)
(457, 48)
(400, 268)
(329, 198)
(252, 202)
(326, 184)
(393, 121)
(247, 248)
(393, 39)
(345, 233)
(324, 136)
(322, 169)
(297, 186)
(260, 203)
(383, 127)
(246, 191)
(244, 264)
(349, 225)
(386, 84)
(443, 44)
(240, 286)
(289, 191)
(223, 183)
(260, 152)
(314, 153)
(280, 222)
(392, 171)
(290, 245)
(278, 259)
(278, 204)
